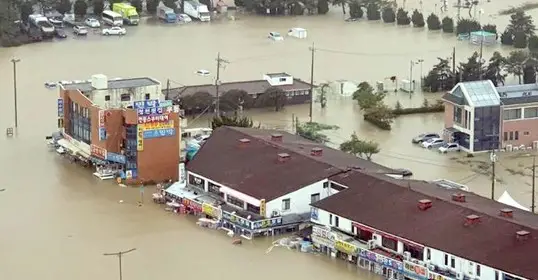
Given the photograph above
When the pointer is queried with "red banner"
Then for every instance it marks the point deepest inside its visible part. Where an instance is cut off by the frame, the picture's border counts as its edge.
(98, 152)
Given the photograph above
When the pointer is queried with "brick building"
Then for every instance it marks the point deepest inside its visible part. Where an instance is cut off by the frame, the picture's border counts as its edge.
(123, 126)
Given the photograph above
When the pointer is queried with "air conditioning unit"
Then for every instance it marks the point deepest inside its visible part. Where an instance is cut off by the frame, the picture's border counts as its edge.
(421, 263)
(431, 267)
(509, 148)
(459, 275)
(371, 244)
(275, 213)
(407, 256)
(535, 145)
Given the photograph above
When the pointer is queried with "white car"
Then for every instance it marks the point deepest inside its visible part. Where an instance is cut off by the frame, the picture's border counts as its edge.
(275, 36)
(80, 30)
(116, 30)
(93, 23)
(184, 18)
(202, 72)
(433, 143)
(449, 147)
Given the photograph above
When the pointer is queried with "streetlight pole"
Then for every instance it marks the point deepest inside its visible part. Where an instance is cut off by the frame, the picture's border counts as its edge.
(533, 203)
(313, 50)
(14, 61)
(119, 255)
(493, 158)
(420, 61)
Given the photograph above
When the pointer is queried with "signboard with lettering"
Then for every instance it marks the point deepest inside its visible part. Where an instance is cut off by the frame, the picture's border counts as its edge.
(436, 276)
(60, 122)
(234, 219)
(345, 247)
(182, 173)
(139, 138)
(60, 107)
(262, 207)
(415, 270)
(314, 213)
(158, 125)
(131, 174)
(101, 125)
(98, 152)
(192, 204)
(157, 133)
(154, 106)
(211, 210)
(381, 259)
(323, 236)
(153, 118)
(113, 157)
(267, 223)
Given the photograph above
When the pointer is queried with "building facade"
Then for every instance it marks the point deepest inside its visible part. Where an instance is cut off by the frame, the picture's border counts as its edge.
(481, 117)
(122, 126)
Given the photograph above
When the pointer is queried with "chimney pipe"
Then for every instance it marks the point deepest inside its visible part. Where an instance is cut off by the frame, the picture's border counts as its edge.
(459, 197)
(283, 157)
(507, 213)
(276, 137)
(424, 204)
(316, 152)
(522, 235)
(472, 220)
(244, 142)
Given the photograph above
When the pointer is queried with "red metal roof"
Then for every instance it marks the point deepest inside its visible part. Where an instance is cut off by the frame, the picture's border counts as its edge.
(391, 206)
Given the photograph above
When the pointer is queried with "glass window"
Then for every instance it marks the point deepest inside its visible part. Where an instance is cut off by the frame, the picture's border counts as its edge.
(286, 204)
(125, 97)
(511, 135)
(314, 197)
(505, 138)
(512, 114)
(147, 96)
(453, 262)
(235, 201)
(531, 112)
(446, 259)
(457, 114)
(516, 135)
(107, 97)
(477, 270)
(389, 243)
(336, 221)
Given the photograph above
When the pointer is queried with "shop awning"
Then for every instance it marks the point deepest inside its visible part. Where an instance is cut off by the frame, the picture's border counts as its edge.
(68, 146)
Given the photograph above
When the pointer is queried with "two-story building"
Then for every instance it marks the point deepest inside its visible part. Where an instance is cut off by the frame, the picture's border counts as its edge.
(481, 117)
(269, 174)
(407, 229)
(122, 126)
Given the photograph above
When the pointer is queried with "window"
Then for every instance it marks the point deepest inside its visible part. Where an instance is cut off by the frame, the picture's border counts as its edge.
(457, 114)
(512, 114)
(531, 112)
(331, 219)
(325, 184)
(389, 243)
(516, 135)
(453, 262)
(511, 135)
(428, 254)
(107, 97)
(446, 259)
(496, 275)
(505, 136)
(477, 270)
(336, 221)
(286, 204)
(125, 97)
(526, 133)
(314, 197)
(235, 201)
(282, 79)
(147, 96)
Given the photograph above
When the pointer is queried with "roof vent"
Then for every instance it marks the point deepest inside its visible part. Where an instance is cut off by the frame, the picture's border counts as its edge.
(507, 213)
(317, 151)
(243, 142)
(424, 204)
(283, 157)
(471, 220)
(522, 235)
(276, 137)
(459, 197)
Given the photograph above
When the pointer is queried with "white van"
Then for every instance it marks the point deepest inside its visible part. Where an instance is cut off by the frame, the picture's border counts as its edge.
(112, 18)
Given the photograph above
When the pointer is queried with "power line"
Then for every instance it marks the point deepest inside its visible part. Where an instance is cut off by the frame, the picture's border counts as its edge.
(259, 57)
(119, 255)
(378, 54)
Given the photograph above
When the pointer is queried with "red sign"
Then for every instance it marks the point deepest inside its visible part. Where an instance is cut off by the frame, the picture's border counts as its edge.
(193, 205)
(97, 152)
(152, 118)
(101, 118)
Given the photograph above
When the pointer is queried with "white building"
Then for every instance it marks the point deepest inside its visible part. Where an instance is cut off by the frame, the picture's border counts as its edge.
(414, 230)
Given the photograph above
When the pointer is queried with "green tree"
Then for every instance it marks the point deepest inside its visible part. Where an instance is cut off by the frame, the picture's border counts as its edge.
(533, 46)
(273, 96)
(521, 22)
(440, 77)
(323, 90)
(381, 116)
(520, 40)
(313, 131)
(138, 5)
(494, 70)
(239, 3)
(360, 148)
(515, 63)
(388, 15)
(341, 3)
(402, 18)
(297, 8)
(26, 10)
(151, 6)
(418, 19)
(196, 102)
(64, 6)
(236, 121)
(98, 7)
(235, 99)
(507, 38)
(398, 107)
(170, 4)
(472, 69)
(433, 22)
(448, 25)
(466, 26)
(355, 10)
(366, 97)
(323, 7)
(80, 8)
(529, 73)
(491, 28)
(372, 11)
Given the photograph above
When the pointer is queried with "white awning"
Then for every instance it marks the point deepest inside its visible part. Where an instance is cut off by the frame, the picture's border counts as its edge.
(74, 149)
(507, 199)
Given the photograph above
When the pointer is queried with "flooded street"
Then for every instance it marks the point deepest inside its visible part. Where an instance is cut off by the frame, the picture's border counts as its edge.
(58, 220)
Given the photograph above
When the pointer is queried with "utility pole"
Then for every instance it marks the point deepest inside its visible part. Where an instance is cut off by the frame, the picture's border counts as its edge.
(167, 89)
(119, 255)
(459, 9)
(481, 45)
(313, 50)
(533, 204)
(493, 158)
(220, 61)
(411, 84)
(421, 61)
(14, 61)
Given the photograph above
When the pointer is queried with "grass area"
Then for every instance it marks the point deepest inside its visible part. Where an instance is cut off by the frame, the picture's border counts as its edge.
(523, 7)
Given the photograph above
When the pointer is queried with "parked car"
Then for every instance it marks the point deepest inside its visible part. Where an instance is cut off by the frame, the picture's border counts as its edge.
(202, 72)
(404, 172)
(423, 137)
(116, 30)
(93, 23)
(35, 35)
(352, 19)
(433, 143)
(80, 30)
(69, 19)
(449, 147)
(184, 18)
(275, 36)
(60, 33)
(57, 21)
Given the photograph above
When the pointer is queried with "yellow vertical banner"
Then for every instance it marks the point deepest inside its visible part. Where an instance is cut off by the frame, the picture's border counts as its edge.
(140, 138)
(262, 207)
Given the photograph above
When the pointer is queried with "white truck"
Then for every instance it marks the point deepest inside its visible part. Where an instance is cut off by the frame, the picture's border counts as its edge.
(197, 10)
(42, 23)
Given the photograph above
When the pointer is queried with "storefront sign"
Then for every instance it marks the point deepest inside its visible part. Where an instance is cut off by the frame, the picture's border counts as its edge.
(154, 107)
(234, 219)
(60, 107)
(415, 270)
(158, 125)
(267, 223)
(437, 276)
(192, 204)
(131, 174)
(182, 173)
(323, 236)
(60, 122)
(211, 210)
(345, 247)
(314, 213)
(98, 152)
(157, 133)
(262, 207)
(101, 125)
(381, 259)
(139, 138)
(83, 147)
(113, 157)
(154, 118)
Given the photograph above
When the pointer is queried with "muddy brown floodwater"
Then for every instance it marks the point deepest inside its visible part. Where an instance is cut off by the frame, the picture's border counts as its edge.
(57, 220)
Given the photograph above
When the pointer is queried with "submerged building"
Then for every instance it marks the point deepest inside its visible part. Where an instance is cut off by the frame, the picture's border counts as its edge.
(121, 126)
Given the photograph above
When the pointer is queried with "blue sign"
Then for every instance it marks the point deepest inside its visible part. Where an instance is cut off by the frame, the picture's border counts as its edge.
(150, 111)
(152, 103)
(60, 107)
(113, 157)
(102, 133)
(381, 259)
(157, 133)
(314, 213)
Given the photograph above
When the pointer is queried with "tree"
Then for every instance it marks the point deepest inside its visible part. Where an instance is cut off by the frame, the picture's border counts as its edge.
(402, 18)
(239, 3)
(196, 102)
(355, 10)
(359, 148)
(235, 99)
(466, 26)
(26, 10)
(312, 131)
(520, 22)
(418, 19)
(323, 7)
(80, 8)
(388, 15)
(433, 22)
(448, 25)
(341, 3)
(296, 8)
(515, 63)
(520, 40)
(529, 74)
(494, 70)
(472, 70)
(507, 38)
(323, 90)
(98, 7)
(491, 28)
(151, 6)
(366, 97)
(533, 46)
(170, 4)
(381, 116)
(138, 5)
(273, 96)
(64, 6)
(372, 11)
(231, 121)
(440, 78)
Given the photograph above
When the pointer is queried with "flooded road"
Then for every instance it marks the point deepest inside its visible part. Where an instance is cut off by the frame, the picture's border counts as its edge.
(57, 220)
